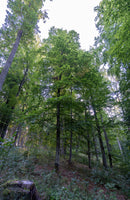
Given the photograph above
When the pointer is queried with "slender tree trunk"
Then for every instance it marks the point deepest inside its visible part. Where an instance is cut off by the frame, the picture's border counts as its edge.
(70, 154)
(65, 145)
(57, 159)
(18, 131)
(71, 134)
(89, 154)
(119, 144)
(19, 138)
(22, 81)
(62, 143)
(3, 127)
(107, 143)
(100, 138)
(95, 146)
(10, 59)
(88, 142)
(58, 137)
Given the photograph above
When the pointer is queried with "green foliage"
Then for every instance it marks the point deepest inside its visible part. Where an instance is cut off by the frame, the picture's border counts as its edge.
(111, 179)
(56, 73)
(113, 46)
(113, 24)
(30, 165)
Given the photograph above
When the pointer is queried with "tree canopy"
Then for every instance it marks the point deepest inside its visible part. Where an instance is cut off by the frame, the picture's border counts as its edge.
(58, 99)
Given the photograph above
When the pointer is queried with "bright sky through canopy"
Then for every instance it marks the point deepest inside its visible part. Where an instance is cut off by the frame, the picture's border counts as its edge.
(67, 14)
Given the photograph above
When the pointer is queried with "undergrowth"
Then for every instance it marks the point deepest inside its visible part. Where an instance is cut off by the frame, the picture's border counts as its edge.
(36, 165)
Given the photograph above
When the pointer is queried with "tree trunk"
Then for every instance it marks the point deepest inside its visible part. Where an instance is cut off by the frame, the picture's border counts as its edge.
(100, 138)
(65, 145)
(118, 141)
(95, 146)
(10, 59)
(107, 143)
(57, 159)
(19, 138)
(71, 134)
(70, 154)
(88, 142)
(58, 137)
(89, 154)
(3, 127)
(22, 81)
(18, 131)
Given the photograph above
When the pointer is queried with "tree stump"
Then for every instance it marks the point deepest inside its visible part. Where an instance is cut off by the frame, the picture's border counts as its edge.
(19, 190)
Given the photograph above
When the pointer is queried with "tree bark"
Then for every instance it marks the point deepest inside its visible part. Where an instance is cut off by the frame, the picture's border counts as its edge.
(71, 134)
(18, 131)
(70, 154)
(95, 146)
(88, 142)
(65, 145)
(57, 159)
(100, 138)
(22, 81)
(89, 154)
(107, 143)
(119, 144)
(10, 59)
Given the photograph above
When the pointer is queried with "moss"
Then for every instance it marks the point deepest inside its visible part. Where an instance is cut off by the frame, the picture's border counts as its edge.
(12, 190)
(8, 183)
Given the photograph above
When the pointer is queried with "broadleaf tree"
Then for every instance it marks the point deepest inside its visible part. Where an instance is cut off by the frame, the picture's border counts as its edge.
(21, 22)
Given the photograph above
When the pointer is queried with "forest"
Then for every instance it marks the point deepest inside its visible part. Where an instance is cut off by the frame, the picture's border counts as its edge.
(64, 111)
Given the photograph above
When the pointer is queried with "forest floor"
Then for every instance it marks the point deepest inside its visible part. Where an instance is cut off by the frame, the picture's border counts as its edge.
(73, 182)
(79, 175)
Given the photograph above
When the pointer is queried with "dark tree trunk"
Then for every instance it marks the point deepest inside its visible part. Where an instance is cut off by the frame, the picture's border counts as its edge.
(65, 145)
(70, 154)
(3, 127)
(71, 134)
(88, 142)
(63, 139)
(71, 138)
(100, 138)
(58, 137)
(10, 59)
(95, 146)
(18, 131)
(22, 81)
(89, 154)
(107, 143)
(57, 159)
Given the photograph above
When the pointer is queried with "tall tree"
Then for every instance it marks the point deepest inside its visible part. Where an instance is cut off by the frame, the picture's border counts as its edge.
(61, 58)
(107, 142)
(13, 88)
(22, 18)
(113, 42)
